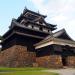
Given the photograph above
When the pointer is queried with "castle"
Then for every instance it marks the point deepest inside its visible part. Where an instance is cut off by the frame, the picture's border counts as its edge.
(30, 42)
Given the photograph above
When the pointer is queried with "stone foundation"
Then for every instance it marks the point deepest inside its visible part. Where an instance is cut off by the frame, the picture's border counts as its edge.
(17, 56)
(52, 61)
(71, 61)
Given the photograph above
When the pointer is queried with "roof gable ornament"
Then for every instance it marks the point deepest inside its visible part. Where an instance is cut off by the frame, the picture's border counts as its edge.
(24, 9)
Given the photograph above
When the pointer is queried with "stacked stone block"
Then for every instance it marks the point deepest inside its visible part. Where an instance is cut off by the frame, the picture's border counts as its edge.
(70, 61)
(52, 61)
(17, 56)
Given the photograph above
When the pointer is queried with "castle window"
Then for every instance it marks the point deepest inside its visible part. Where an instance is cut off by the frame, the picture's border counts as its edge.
(32, 26)
(50, 31)
(45, 30)
(29, 26)
(36, 27)
(40, 28)
(57, 48)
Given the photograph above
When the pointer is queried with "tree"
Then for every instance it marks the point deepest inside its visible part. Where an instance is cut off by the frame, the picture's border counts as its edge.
(1, 37)
(0, 41)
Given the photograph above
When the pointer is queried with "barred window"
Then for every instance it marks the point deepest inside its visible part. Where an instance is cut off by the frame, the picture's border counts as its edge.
(57, 48)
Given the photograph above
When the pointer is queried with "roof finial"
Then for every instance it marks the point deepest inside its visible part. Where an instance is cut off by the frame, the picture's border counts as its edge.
(25, 9)
(38, 11)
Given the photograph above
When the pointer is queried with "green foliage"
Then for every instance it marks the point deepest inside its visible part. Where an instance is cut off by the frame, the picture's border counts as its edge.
(0, 37)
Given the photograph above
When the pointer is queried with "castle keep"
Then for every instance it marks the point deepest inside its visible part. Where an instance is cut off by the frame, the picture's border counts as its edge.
(30, 41)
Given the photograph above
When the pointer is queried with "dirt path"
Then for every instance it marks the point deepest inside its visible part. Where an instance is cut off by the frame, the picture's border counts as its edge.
(68, 71)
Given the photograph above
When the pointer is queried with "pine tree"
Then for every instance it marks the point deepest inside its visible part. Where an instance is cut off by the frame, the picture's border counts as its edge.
(1, 37)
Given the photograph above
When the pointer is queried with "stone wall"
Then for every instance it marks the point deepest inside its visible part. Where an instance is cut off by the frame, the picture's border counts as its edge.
(52, 61)
(70, 61)
(17, 56)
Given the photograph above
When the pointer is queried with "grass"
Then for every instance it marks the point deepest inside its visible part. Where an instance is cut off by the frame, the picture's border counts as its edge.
(21, 69)
(24, 71)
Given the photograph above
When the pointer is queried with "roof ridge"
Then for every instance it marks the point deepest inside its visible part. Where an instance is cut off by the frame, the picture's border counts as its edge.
(26, 9)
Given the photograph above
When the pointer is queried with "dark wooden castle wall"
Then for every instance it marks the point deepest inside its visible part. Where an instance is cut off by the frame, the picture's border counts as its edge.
(17, 39)
(9, 42)
(31, 31)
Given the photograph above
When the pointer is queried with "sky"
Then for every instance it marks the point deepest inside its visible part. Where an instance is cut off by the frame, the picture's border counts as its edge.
(59, 12)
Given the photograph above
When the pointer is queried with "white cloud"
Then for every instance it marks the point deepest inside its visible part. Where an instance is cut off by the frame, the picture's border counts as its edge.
(70, 28)
(59, 18)
(37, 2)
(60, 12)
(40, 5)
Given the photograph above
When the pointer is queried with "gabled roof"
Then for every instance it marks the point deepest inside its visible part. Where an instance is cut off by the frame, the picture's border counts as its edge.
(27, 11)
(56, 41)
(15, 24)
(35, 17)
(62, 34)
(56, 38)
(38, 14)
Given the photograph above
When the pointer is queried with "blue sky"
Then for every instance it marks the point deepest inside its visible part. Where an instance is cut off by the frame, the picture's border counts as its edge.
(60, 12)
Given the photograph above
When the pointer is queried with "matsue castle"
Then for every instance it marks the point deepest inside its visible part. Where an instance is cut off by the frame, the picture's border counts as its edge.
(30, 42)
